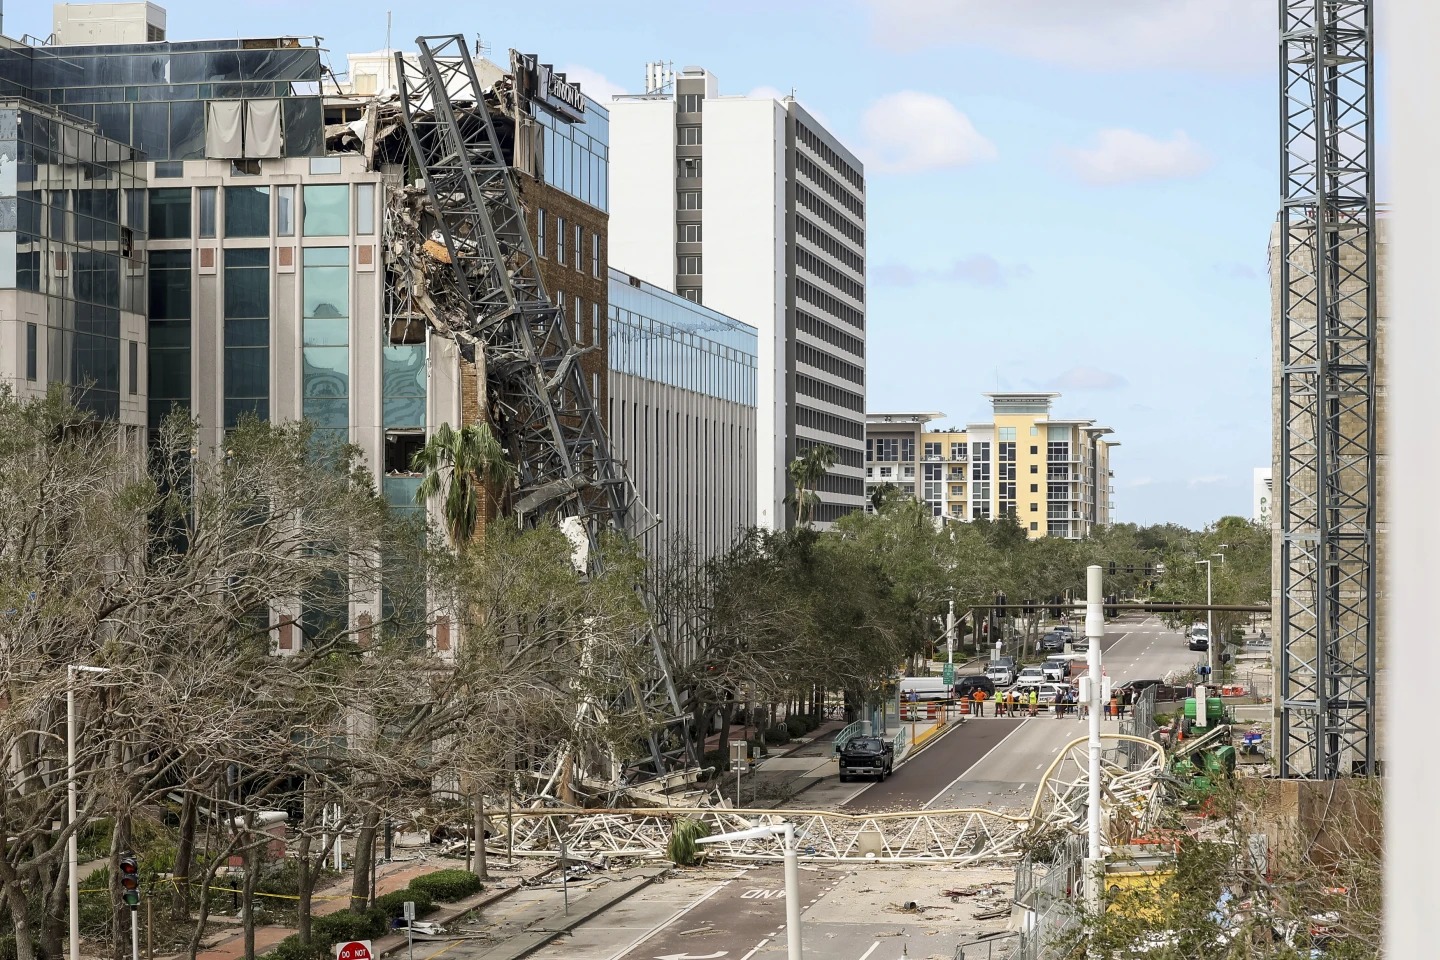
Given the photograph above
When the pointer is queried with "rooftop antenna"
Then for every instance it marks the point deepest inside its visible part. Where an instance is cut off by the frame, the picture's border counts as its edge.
(387, 31)
(482, 48)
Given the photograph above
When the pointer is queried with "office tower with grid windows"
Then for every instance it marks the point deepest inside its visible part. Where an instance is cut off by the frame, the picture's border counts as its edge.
(751, 207)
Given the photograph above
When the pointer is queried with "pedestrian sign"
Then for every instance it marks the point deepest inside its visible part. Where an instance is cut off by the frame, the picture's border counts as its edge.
(948, 674)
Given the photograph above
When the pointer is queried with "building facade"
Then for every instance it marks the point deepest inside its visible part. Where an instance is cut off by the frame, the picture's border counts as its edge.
(682, 417)
(1052, 475)
(1261, 497)
(749, 206)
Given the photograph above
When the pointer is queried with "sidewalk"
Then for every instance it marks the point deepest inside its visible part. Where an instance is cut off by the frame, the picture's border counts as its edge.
(396, 875)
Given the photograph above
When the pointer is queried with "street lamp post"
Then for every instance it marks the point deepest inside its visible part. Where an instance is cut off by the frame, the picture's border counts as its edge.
(1209, 618)
(794, 948)
(72, 845)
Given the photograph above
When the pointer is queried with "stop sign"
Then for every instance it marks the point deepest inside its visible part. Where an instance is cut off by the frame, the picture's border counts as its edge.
(353, 950)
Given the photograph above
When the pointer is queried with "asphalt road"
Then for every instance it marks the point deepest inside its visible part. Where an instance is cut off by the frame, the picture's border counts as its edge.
(914, 784)
(1006, 777)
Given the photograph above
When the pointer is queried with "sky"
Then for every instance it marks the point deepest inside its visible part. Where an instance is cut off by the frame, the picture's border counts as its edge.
(1061, 195)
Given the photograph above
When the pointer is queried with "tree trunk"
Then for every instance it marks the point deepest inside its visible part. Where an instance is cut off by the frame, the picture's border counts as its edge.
(53, 922)
(19, 917)
(360, 892)
(254, 846)
(184, 859)
(119, 922)
(481, 866)
(304, 876)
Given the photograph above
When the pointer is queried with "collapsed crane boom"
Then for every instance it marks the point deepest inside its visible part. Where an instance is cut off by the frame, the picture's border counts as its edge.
(540, 405)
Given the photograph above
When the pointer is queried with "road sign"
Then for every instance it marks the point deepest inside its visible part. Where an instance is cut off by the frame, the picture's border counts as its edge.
(948, 674)
(409, 910)
(354, 950)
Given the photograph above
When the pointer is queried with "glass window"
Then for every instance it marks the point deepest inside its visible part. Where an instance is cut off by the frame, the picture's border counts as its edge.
(206, 198)
(169, 284)
(247, 211)
(404, 385)
(170, 213)
(169, 170)
(540, 233)
(689, 233)
(688, 167)
(690, 266)
(690, 200)
(327, 211)
(595, 254)
(579, 248)
(365, 209)
(560, 240)
(247, 334)
(689, 135)
(285, 211)
(326, 383)
(321, 165)
(134, 358)
(32, 352)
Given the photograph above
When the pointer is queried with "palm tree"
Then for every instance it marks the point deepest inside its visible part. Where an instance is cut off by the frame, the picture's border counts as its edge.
(806, 472)
(465, 465)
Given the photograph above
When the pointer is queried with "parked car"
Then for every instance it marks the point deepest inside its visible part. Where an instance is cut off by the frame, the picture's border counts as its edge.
(1066, 631)
(1056, 668)
(867, 757)
(1031, 675)
(1046, 689)
(1001, 672)
(965, 687)
(1052, 643)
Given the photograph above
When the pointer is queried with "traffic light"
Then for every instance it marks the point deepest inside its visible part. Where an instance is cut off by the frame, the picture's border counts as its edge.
(130, 881)
(1112, 568)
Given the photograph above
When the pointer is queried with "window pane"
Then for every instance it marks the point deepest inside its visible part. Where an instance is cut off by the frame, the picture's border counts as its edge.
(170, 213)
(327, 211)
(247, 211)
(365, 209)
(207, 211)
(285, 211)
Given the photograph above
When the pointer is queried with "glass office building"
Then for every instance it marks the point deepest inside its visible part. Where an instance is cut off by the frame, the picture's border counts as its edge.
(682, 403)
(577, 155)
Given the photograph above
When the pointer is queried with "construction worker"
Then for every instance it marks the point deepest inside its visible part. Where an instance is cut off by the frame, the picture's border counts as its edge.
(1114, 705)
(978, 697)
(1059, 706)
(1034, 701)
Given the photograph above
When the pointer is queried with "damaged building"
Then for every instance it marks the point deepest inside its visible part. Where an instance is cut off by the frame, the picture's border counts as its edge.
(228, 228)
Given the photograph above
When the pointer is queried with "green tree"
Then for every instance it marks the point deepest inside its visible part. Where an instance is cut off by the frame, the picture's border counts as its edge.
(806, 471)
(468, 466)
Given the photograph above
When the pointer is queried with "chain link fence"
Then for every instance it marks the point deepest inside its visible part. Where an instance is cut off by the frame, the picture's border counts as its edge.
(1048, 891)
(1139, 723)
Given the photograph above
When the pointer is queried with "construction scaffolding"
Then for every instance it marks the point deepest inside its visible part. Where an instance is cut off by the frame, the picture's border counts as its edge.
(1327, 403)
(489, 297)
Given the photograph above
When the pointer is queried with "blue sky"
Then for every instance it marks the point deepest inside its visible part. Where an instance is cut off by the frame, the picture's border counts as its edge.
(1063, 195)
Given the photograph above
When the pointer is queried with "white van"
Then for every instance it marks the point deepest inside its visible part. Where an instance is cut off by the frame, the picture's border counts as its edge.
(924, 688)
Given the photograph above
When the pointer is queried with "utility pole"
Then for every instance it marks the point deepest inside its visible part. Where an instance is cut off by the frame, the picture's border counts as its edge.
(950, 634)
(1209, 621)
(1094, 633)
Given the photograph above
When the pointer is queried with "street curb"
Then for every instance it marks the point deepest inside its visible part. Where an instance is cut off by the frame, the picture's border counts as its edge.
(383, 948)
(943, 731)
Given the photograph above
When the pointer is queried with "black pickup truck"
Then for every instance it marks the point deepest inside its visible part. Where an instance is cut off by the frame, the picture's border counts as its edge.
(867, 757)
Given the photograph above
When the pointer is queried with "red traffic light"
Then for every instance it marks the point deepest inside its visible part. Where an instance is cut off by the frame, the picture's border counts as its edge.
(130, 880)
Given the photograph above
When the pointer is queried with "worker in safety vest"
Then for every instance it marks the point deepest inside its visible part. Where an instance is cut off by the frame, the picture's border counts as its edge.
(1034, 701)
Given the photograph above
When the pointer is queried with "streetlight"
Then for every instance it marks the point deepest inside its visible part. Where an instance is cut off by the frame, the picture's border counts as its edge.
(1209, 619)
(72, 845)
(792, 877)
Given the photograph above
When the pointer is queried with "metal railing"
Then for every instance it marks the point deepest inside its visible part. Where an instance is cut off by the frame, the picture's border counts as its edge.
(856, 729)
(902, 742)
(1006, 946)
(1049, 893)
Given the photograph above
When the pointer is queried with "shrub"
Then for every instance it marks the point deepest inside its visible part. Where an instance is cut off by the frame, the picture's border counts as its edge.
(758, 748)
(292, 949)
(393, 904)
(9, 946)
(797, 726)
(447, 886)
(719, 759)
(778, 735)
(682, 848)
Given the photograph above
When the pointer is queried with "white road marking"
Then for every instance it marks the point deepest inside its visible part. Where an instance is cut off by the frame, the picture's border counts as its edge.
(673, 917)
(760, 946)
(866, 954)
(977, 763)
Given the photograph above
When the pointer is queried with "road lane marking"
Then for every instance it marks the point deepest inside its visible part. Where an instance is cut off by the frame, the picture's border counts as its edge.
(673, 917)
(866, 954)
(977, 763)
(758, 947)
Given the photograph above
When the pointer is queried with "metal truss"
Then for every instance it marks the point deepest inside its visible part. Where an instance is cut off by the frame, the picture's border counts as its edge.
(1327, 417)
(539, 401)
(1130, 788)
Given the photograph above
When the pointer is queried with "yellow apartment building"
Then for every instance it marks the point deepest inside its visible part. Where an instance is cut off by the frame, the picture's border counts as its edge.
(1053, 475)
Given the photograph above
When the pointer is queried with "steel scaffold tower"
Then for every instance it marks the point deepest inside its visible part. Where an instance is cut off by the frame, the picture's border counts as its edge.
(546, 415)
(1327, 418)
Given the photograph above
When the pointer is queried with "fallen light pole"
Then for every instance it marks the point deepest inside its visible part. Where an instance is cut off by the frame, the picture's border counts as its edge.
(794, 950)
(1094, 632)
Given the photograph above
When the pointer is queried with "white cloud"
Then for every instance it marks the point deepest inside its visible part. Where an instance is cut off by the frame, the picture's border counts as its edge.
(909, 132)
(1208, 480)
(1087, 378)
(594, 83)
(978, 269)
(1205, 35)
(1125, 156)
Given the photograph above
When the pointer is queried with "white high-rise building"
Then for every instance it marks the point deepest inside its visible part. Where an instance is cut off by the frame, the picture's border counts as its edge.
(749, 206)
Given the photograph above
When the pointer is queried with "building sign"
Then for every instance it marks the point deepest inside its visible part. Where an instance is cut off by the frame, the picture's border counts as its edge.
(543, 87)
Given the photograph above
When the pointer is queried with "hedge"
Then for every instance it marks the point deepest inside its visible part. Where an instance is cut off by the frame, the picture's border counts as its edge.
(447, 886)
(779, 735)
(393, 904)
